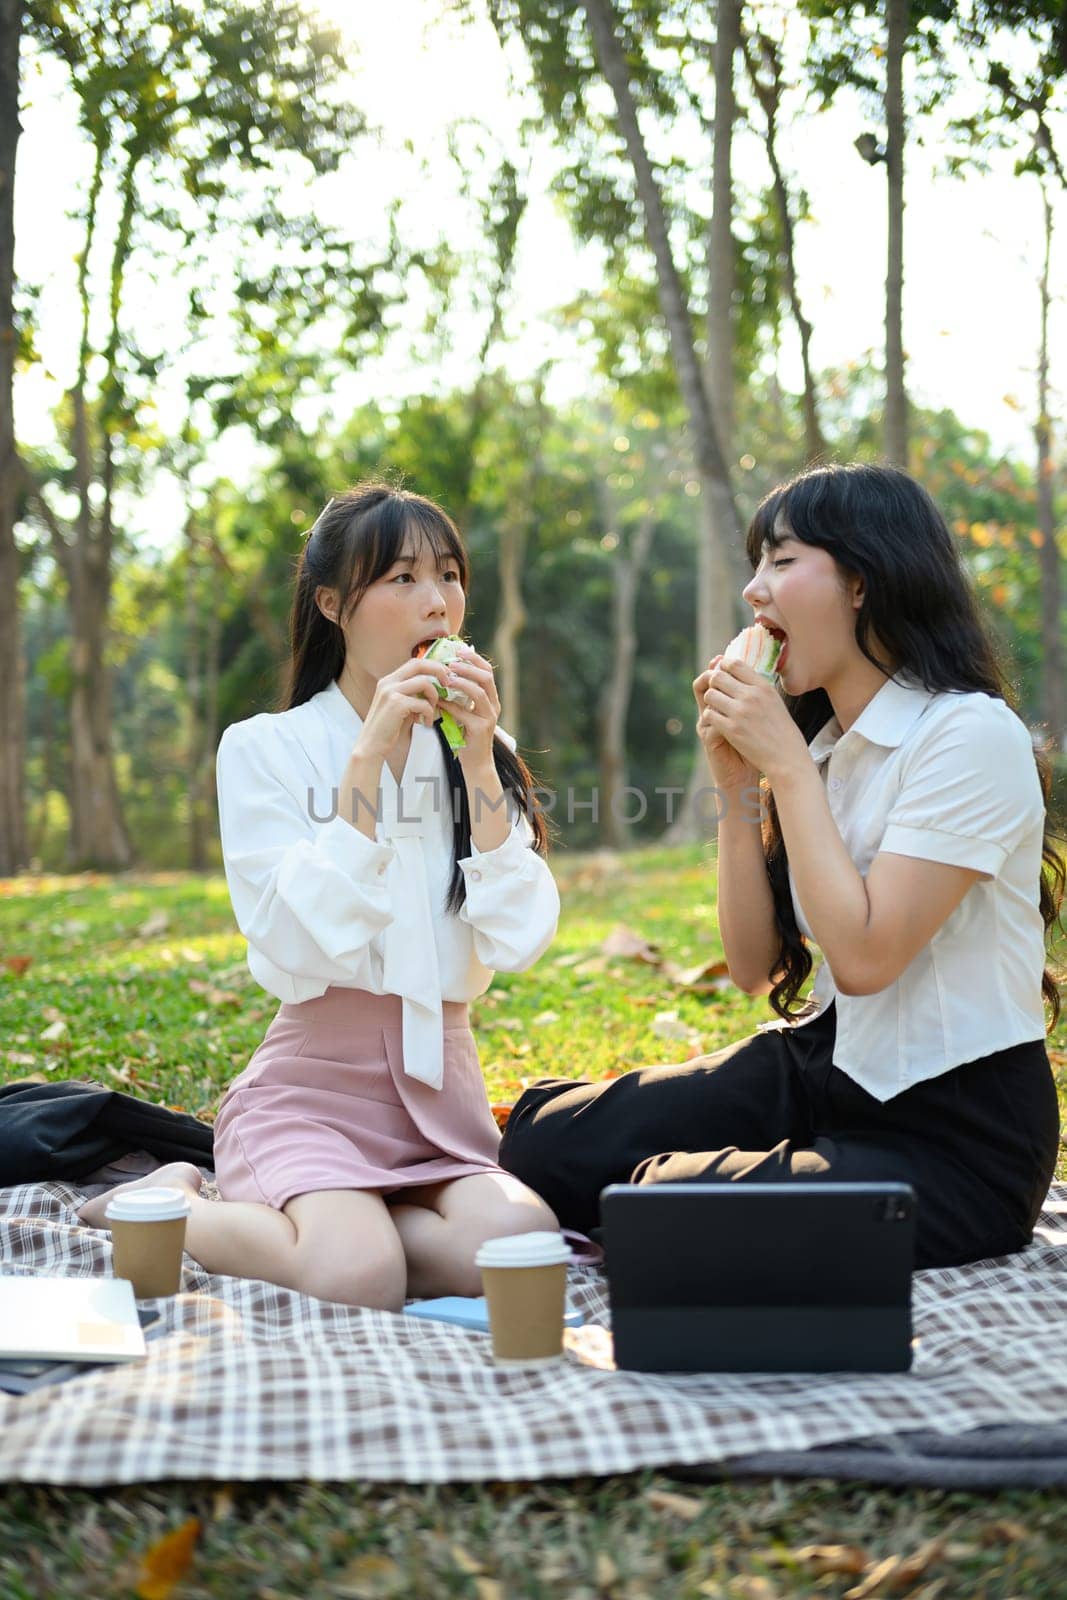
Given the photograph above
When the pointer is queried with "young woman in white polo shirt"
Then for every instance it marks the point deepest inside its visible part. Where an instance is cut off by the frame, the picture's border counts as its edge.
(905, 834)
(379, 879)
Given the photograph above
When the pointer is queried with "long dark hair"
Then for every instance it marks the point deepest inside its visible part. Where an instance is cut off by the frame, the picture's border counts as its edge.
(919, 604)
(353, 543)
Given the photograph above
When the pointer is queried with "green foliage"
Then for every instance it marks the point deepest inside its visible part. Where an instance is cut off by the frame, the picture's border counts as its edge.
(550, 474)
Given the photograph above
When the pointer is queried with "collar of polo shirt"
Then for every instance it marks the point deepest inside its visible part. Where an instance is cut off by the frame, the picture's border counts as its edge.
(884, 720)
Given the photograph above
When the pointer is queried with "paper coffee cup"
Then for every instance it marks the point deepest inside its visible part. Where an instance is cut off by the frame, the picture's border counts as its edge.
(524, 1276)
(148, 1236)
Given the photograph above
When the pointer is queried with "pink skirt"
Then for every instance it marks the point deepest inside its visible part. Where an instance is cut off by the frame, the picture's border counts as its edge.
(325, 1103)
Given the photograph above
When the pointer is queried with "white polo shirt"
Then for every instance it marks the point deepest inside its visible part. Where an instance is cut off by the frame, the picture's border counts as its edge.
(945, 777)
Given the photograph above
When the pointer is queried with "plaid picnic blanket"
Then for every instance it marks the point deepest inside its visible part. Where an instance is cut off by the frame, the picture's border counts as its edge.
(252, 1381)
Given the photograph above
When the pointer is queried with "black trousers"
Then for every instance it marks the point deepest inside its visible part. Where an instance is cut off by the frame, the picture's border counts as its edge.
(978, 1144)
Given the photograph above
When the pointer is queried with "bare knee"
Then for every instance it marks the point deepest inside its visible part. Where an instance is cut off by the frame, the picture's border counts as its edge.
(515, 1209)
(375, 1278)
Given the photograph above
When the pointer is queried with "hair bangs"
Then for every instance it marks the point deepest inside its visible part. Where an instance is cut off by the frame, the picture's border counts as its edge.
(764, 531)
(435, 528)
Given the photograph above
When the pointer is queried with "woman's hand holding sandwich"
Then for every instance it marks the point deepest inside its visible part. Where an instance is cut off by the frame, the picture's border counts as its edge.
(741, 710)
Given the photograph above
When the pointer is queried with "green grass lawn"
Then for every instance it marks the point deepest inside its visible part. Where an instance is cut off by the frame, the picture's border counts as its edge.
(140, 983)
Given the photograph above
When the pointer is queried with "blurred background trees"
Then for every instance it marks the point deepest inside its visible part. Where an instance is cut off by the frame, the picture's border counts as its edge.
(606, 529)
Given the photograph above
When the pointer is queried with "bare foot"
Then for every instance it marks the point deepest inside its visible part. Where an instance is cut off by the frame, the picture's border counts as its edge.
(179, 1175)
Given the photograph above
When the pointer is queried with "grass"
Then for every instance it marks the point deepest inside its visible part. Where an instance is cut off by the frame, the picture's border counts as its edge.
(139, 982)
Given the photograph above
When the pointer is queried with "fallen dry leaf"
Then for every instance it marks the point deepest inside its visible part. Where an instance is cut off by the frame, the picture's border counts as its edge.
(54, 1030)
(676, 1505)
(501, 1115)
(367, 1578)
(465, 1561)
(669, 1025)
(897, 1572)
(624, 942)
(222, 1506)
(166, 1562)
(213, 995)
(751, 1586)
(703, 974)
(607, 1573)
(929, 1591)
(1004, 1531)
(18, 964)
(158, 922)
(824, 1558)
(489, 1589)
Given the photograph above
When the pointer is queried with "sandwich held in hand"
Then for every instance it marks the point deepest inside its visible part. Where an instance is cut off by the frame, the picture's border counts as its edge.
(445, 651)
(757, 648)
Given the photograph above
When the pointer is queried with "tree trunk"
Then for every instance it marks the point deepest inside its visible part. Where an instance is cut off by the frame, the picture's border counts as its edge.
(510, 621)
(896, 400)
(98, 836)
(717, 605)
(628, 564)
(721, 248)
(13, 843)
(769, 96)
(710, 461)
(194, 694)
(211, 704)
(1054, 673)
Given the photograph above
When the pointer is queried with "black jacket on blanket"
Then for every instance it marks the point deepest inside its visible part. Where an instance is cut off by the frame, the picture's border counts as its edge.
(66, 1130)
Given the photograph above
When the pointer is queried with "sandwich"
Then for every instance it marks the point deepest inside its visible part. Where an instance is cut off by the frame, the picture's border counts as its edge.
(445, 651)
(757, 648)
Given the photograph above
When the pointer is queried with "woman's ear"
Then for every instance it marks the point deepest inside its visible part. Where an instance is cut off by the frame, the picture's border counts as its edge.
(326, 600)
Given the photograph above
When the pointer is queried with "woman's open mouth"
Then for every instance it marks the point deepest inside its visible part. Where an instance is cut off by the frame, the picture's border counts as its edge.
(425, 644)
(780, 634)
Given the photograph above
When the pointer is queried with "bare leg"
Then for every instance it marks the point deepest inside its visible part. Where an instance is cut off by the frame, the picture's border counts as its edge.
(441, 1227)
(336, 1244)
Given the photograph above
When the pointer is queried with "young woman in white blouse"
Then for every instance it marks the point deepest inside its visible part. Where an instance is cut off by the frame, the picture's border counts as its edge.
(379, 880)
(905, 834)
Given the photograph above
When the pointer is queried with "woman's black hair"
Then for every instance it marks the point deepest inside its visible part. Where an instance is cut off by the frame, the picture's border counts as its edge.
(354, 542)
(920, 606)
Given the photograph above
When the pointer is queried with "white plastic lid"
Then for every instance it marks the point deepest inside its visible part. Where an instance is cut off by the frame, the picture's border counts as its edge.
(161, 1204)
(524, 1250)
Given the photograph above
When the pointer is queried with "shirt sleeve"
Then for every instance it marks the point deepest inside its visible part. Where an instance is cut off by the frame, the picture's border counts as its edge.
(512, 903)
(309, 898)
(970, 791)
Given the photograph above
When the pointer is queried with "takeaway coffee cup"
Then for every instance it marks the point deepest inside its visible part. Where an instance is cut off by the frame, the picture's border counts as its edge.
(148, 1235)
(524, 1276)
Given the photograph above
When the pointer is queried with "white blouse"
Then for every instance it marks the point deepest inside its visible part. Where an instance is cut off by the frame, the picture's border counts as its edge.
(321, 904)
(945, 777)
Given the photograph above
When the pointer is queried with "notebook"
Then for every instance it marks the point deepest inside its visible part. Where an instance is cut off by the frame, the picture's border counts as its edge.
(71, 1319)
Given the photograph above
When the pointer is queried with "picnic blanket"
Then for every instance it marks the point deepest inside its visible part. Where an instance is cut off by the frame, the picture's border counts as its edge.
(250, 1381)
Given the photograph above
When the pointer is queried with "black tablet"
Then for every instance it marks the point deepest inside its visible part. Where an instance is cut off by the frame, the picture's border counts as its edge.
(755, 1277)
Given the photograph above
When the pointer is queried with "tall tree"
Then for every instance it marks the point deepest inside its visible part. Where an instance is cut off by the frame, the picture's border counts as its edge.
(722, 274)
(1022, 45)
(625, 38)
(185, 109)
(1054, 675)
(629, 543)
(12, 742)
(896, 399)
(764, 62)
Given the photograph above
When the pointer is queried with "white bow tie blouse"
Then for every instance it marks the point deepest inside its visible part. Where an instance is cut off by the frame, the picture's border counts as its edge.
(321, 904)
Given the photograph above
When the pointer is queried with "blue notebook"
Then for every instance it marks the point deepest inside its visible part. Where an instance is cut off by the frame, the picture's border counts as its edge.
(467, 1313)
